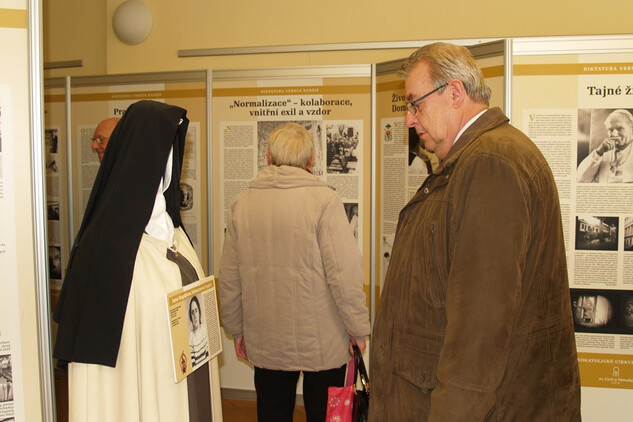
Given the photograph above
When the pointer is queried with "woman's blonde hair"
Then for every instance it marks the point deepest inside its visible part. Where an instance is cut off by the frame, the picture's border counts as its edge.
(291, 145)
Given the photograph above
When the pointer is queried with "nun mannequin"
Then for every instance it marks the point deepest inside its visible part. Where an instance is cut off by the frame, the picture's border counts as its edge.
(131, 250)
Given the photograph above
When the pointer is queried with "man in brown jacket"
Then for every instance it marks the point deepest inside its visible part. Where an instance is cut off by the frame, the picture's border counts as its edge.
(474, 321)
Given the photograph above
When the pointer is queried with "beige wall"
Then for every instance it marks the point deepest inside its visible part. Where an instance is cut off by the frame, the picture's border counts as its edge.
(75, 30)
(79, 29)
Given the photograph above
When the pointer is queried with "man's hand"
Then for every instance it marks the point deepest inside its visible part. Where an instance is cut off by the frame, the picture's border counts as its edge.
(606, 145)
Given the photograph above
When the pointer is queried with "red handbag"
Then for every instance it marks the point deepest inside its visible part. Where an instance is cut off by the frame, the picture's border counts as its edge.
(340, 400)
(346, 404)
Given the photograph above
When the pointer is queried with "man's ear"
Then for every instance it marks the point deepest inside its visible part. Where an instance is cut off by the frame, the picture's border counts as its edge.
(457, 91)
(268, 157)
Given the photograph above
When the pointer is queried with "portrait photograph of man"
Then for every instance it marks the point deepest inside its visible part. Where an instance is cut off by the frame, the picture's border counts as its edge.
(604, 146)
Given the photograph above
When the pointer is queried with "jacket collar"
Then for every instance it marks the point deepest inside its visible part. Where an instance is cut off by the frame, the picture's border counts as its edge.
(285, 177)
(491, 119)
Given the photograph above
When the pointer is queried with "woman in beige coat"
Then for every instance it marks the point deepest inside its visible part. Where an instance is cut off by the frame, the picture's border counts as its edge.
(290, 280)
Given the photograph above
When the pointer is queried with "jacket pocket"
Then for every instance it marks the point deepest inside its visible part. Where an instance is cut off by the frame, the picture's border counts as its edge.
(415, 358)
(433, 255)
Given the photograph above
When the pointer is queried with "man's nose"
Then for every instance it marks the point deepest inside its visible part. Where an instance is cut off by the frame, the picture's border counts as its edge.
(410, 120)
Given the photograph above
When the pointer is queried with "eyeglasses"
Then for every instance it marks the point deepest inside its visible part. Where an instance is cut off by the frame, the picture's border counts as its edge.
(412, 106)
(100, 140)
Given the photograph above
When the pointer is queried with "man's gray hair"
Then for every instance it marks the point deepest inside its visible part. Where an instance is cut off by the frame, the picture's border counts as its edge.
(625, 114)
(449, 61)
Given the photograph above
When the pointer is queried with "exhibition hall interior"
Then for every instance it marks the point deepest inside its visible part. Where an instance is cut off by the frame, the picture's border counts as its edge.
(213, 84)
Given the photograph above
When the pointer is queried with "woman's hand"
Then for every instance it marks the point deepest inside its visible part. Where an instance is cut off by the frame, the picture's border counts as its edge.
(360, 343)
(240, 347)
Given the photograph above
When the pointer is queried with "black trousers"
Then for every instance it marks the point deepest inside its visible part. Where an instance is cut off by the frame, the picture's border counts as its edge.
(276, 393)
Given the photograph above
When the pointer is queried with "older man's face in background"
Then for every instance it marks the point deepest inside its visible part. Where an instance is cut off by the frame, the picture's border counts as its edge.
(101, 136)
(620, 131)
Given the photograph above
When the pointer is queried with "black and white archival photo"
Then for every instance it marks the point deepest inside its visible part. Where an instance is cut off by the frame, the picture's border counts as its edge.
(605, 137)
(594, 310)
(6, 379)
(186, 196)
(342, 147)
(55, 262)
(52, 210)
(596, 233)
(628, 234)
(351, 209)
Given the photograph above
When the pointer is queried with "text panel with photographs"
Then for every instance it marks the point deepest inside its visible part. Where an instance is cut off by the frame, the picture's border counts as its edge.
(57, 204)
(90, 105)
(334, 110)
(578, 111)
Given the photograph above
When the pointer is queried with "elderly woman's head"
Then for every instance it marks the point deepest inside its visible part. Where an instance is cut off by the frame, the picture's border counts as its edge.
(291, 145)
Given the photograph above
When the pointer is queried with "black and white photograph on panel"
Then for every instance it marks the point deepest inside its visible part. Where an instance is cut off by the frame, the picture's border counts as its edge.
(52, 210)
(186, 197)
(198, 339)
(598, 233)
(605, 139)
(351, 209)
(627, 311)
(342, 147)
(55, 262)
(628, 233)
(6, 379)
(596, 310)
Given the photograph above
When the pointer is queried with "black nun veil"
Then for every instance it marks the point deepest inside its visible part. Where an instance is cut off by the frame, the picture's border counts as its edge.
(92, 304)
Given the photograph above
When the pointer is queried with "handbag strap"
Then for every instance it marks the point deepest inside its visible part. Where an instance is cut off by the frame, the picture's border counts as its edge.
(351, 373)
(360, 369)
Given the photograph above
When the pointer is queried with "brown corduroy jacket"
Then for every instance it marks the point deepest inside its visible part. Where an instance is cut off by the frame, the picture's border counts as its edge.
(474, 322)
